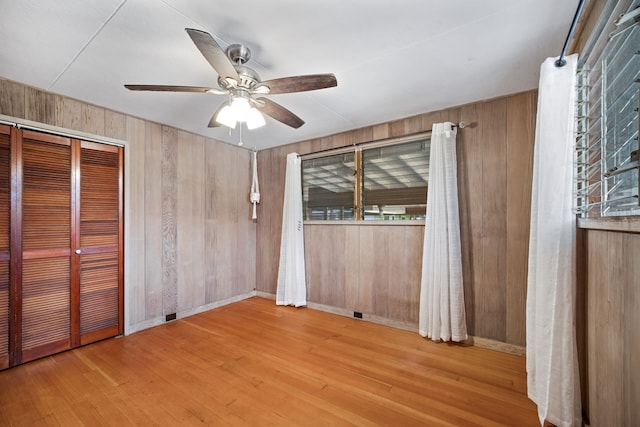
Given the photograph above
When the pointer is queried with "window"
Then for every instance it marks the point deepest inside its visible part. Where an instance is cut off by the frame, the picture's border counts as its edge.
(384, 181)
(607, 119)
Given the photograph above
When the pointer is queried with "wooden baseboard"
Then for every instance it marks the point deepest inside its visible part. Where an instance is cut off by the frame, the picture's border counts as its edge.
(130, 329)
(474, 341)
(500, 346)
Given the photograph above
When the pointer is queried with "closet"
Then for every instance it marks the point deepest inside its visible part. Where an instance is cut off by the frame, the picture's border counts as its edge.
(61, 239)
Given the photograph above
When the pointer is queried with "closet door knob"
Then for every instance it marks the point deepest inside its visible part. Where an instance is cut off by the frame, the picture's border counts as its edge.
(78, 251)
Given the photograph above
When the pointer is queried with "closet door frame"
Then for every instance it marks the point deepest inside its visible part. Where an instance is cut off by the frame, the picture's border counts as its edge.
(16, 256)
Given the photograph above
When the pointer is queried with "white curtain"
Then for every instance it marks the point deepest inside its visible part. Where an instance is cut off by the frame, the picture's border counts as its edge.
(292, 289)
(442, 315)
(552, 365)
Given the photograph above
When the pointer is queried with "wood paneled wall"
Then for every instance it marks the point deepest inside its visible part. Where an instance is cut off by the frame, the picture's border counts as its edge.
(376, 269)
(189, 238)
(612, 327)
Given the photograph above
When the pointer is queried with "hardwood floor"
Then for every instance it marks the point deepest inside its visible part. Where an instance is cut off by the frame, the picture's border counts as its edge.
(253, 363)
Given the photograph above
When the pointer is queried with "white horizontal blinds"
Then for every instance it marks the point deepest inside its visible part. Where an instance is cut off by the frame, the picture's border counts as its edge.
(607, 118)
(5, 209)
(328, 185)
(394, 180)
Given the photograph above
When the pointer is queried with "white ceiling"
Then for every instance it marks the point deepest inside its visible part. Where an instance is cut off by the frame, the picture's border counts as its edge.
(391, 59)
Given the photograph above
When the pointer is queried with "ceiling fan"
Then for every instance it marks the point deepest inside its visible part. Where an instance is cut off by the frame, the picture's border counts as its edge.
(243, 85)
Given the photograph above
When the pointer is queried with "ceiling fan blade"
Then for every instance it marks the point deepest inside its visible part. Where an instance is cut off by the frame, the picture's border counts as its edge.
(167, 88)
(213, 53)
(280, 113)
(212, 122)
(300, 83)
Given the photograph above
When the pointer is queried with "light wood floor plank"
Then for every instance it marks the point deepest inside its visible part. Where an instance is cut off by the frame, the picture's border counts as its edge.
(253, 363)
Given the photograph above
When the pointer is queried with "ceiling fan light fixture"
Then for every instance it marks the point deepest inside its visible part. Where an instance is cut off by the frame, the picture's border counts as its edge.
(239, 110)
(226, 117)
(254, 119)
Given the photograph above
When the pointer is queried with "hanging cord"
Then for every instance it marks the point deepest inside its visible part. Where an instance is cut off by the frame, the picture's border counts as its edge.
(254, 197)
(560, 62)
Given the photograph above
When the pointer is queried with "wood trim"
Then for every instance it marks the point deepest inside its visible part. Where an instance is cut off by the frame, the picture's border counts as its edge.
(61, 131)
(497, 346)
(357, 193)
(15, 269)
(626, 224)
(74, 258)
(100, 334)
(45, 137)
(121, 242)
(45, 253)
(45, 350)
(405, 222)
(473, 341)
(99, 146)
(4, 362)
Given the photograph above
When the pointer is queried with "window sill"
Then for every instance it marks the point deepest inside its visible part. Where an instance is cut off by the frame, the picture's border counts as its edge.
(404, 222)
(626, 224)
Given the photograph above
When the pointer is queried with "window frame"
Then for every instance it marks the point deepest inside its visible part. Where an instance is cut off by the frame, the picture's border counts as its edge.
(357, 149)
(593, 137)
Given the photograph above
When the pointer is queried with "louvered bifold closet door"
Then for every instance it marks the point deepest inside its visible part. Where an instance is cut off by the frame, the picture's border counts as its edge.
(100, 242)
(5, 227)
(46, 245)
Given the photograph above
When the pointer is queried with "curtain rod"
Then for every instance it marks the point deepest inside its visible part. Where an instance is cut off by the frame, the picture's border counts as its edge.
(385, 141)
(560, 62)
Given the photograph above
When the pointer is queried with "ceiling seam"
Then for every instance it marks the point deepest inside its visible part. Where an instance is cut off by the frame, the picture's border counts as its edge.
(84, 47)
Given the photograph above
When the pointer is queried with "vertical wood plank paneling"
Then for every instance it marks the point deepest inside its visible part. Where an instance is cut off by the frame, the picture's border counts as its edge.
(245, 261)
(12, 97)
(613, 339)
(604, 398)
(490, 300)
(153, 220)
(610, 332)
(399, 277)
(211, 223)
(92, 119)
(227, 215)
(470, 191)
(39, 106)
(413, 267)
(380, 258)
(68, 113)
(190, 221)
(230, 234)
(169, 219)
(326, 270)
(380, 131)
(134, 223)
(150, 196)
(520, 134)
(631, 333)
(264, 257)
(352, 258)
(314, 262)
(491, 152)
(276, 183)
(366, 269)
(115, 125)
(595, 247)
